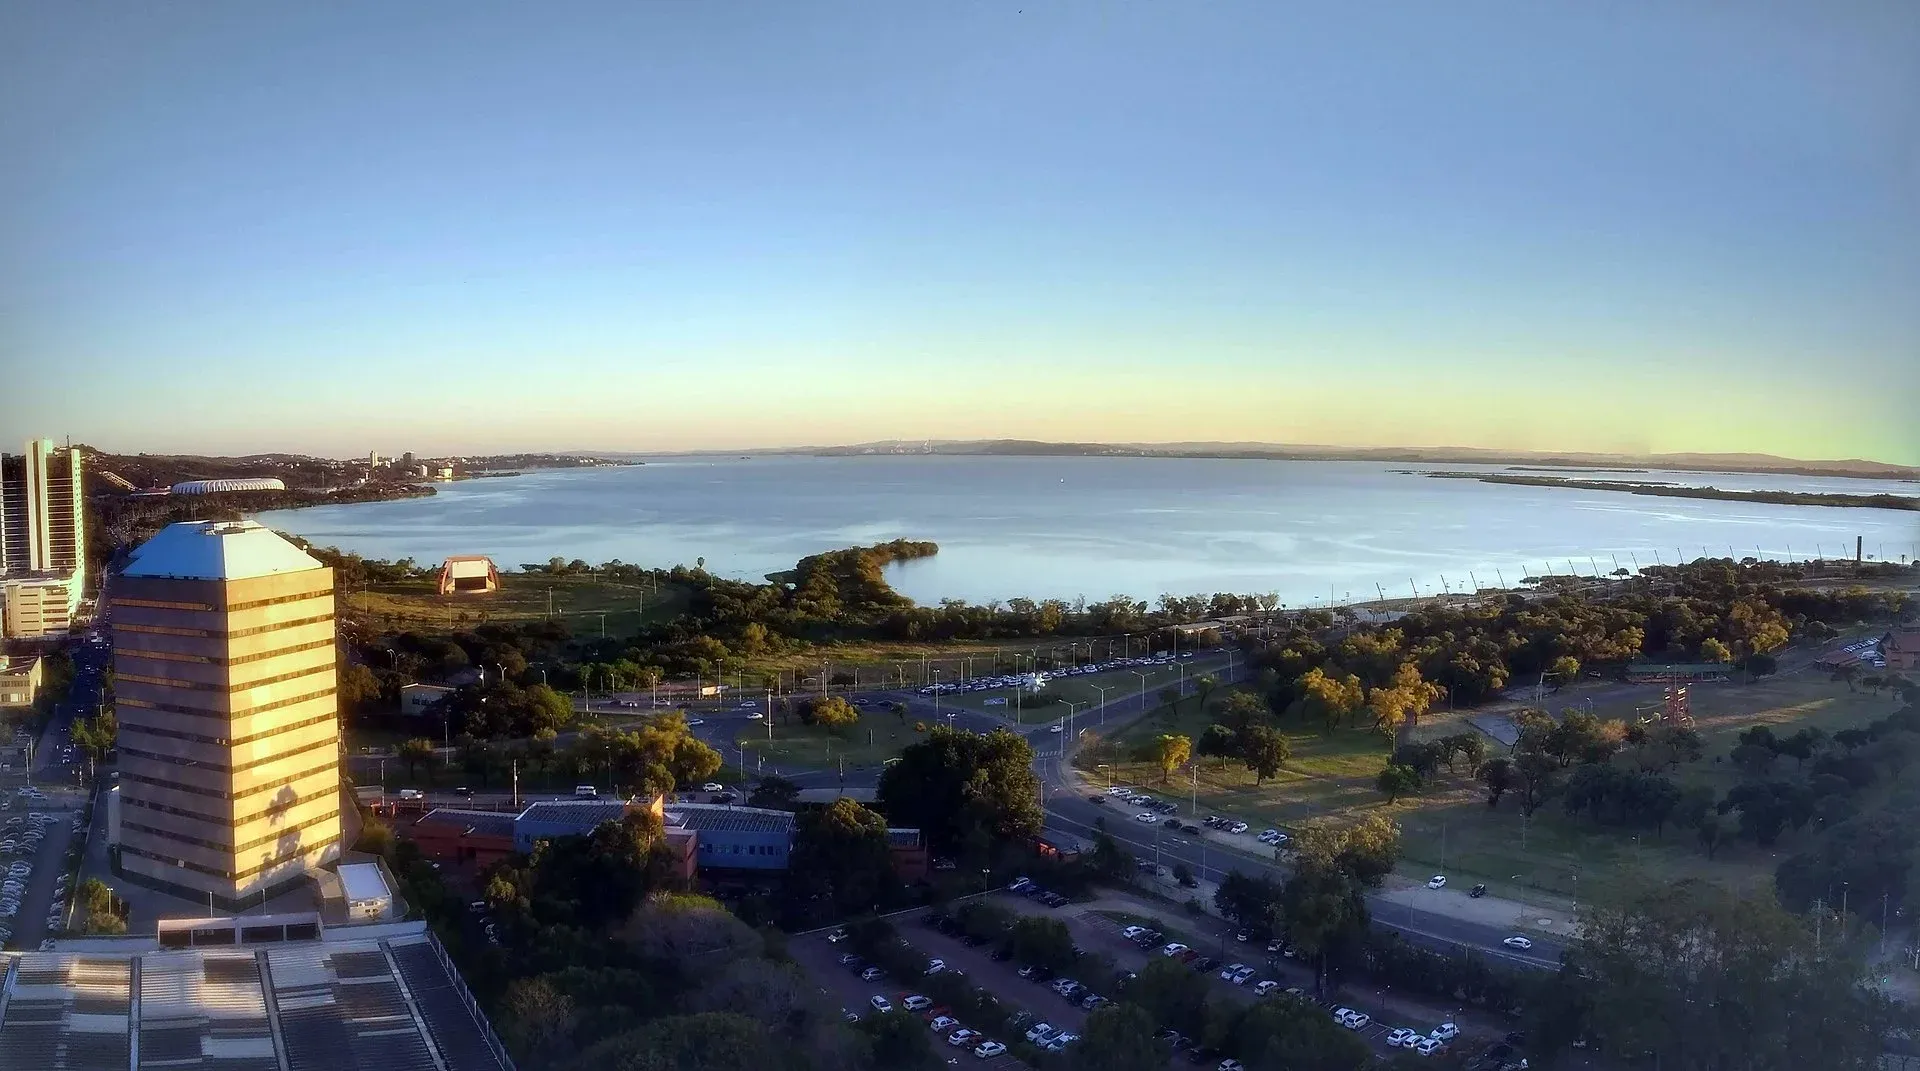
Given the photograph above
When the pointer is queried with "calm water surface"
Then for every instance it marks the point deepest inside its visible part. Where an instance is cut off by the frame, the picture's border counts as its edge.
(1066, 527)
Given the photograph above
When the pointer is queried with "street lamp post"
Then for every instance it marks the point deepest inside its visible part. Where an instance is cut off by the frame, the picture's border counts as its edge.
(1109, 769)
(1103, 701)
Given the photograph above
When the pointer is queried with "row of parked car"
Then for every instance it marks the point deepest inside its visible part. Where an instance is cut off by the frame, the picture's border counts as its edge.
(1026, 887)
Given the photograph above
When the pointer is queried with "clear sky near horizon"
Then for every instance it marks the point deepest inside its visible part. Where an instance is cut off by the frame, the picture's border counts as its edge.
(441, 227)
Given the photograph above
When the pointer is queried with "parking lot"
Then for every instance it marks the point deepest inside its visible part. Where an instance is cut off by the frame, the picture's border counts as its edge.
(35, 830)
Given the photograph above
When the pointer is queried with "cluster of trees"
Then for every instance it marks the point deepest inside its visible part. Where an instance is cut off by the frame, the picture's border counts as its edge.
(1691, 976)
(1411, 765)
(833, 713)
(103, 913)
(1321, 907)
(605, 962)
(505, 710)
(98, 734)
(965, 792)
(1711, 610)
(659, 756)
(1246, 733)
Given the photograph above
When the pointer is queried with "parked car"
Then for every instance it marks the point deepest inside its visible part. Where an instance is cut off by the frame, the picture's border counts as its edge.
(872, 974)
(943, 1023)
(1429, 1046)
(935, 966)
(1438, 881)
(1040, 1030)
(1172, 948)
(1240, 976)
(880, 1003)
(1400, 1037)
(989, 1050)
(1444, 1032)
(916, 1003)
(963, 1036)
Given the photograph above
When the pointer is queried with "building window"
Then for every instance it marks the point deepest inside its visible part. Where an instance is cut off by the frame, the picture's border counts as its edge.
(154, 604)
(280, 600)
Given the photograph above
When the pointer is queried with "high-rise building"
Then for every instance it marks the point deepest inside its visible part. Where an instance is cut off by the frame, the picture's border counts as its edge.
(224, 653)
(43, 531)
(406, 461)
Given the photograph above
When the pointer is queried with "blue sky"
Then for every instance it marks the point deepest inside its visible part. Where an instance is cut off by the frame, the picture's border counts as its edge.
(471, 227)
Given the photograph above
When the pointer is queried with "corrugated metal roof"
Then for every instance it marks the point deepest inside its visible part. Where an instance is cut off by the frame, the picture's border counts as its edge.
(217, 550)
(718, 817)
(490, 823)
(584, 813)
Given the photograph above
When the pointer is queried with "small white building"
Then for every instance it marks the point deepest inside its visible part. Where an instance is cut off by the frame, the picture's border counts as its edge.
(367, 895)
(416, 698)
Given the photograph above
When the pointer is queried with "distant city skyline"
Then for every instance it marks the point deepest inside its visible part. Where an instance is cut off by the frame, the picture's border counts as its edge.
(230, 229)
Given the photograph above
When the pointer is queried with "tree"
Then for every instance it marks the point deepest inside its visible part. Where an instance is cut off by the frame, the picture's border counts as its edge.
(900, 1039)
(539, 1021)
(1696, 977)
(1170, 698)
(774, 792)
(1365, 850)
(1243, 711)
(357, 688)
(833, 713)
(1265, 750)
(1564, 669)
(1292, 1033)
(1714, 651)
(1535, 775)
(1499, 776)
(97, 735)
(1169, 752)
(1397, 706)
(1203, 687)
(1329, 698)
(710, 1041)
(958, 787)
(1254, 904)
(1218, 742)
(840, 860)
(413, 752)
(1117, 1037)
(1396, 781)
(1041, 942)
(1172, 994)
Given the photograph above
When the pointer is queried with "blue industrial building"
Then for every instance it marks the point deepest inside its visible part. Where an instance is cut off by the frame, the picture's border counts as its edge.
(736, 838)
(563, 818)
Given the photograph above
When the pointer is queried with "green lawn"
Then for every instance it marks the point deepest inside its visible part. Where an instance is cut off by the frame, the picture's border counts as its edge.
(1552, 858)
(878, 737)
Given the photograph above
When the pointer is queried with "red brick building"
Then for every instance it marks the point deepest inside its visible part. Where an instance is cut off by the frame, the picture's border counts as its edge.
(451, 835)
(1901, 648)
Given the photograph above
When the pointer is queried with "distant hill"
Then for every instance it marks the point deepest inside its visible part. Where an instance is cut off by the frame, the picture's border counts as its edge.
(1689, 462)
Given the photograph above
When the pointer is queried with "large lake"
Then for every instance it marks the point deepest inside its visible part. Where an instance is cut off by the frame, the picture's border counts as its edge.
(1096, 526)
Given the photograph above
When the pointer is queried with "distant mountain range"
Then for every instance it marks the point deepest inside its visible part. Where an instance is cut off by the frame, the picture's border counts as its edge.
(1766, 463)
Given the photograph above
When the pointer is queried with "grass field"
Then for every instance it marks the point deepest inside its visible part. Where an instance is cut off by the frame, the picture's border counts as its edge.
(582, 602)
(1552, 858)
(878, 737)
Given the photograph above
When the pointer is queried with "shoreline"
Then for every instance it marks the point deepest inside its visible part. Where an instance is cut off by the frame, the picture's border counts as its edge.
(1671, 490)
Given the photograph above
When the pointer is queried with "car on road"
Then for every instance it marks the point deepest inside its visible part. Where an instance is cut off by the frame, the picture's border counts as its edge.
(836, 937)
(880, 1003)
(756, 716)
(1477, 891)
(1438, 881)
(1520, 943)
(1141, 817)
(963, 1036)
(989, 1050)
(1057, 729)
(1172, 948)
(713, 786)
(1237, 827)
(916, 1003)
(943, 1023)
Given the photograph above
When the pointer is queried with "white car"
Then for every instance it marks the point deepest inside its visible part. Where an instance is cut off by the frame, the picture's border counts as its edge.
(748, 705)
(1237, 827)
(1429, 1046)
(916, 1003)
(1520, 943)
(713, 786)
(1402, 1038)
(1265, 987)
(1357, 1021)
(1438, 881)
(935, 966)
(1060, 1041)
(1039, 1031)
(1240, 976)
(880, 1004)
(1147, 818)
(756, 716)
(1227, 972)
(1056, 728)
(1173, 948)
(1132, 932)
(1444, 1032)
(963, 1036)
(943, 1023)
(989, 1050)
(836, 937)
